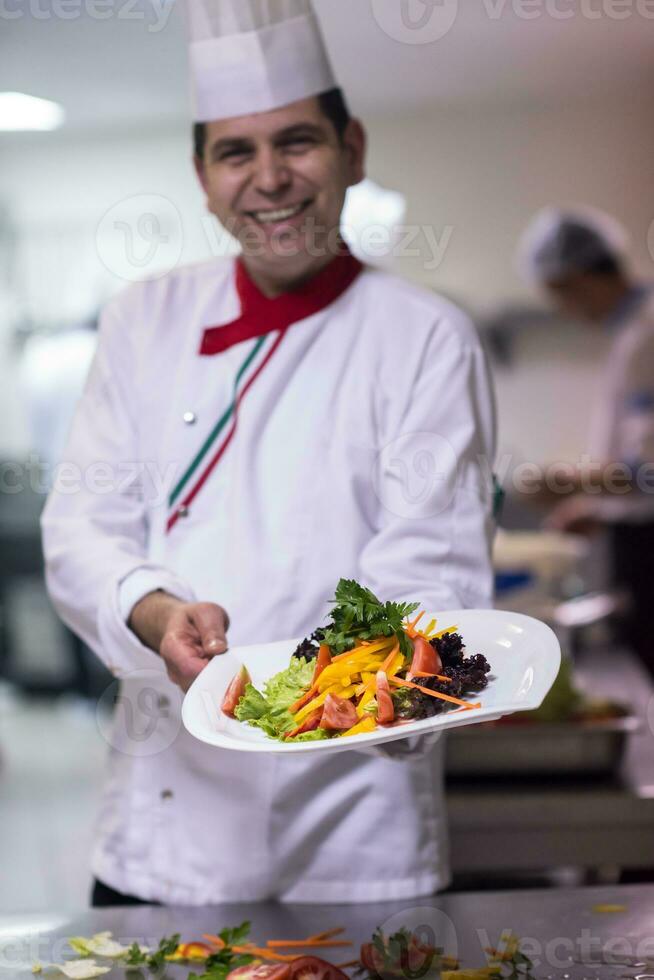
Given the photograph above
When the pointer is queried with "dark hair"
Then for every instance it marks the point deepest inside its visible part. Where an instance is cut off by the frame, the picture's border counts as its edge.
(332, 104)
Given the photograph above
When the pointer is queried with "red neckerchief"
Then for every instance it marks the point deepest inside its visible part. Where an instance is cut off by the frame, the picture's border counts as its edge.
(261, 315)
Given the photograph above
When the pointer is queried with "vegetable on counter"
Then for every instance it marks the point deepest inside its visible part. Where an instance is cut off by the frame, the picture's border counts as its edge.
(370, 666)
(230, 955)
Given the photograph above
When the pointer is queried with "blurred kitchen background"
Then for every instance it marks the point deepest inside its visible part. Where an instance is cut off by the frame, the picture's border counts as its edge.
(511, 109)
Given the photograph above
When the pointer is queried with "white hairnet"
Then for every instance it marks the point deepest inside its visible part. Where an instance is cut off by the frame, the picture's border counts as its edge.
(559, 242)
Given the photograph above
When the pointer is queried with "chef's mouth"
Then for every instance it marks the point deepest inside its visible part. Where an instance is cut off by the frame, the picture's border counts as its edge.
(276, 216)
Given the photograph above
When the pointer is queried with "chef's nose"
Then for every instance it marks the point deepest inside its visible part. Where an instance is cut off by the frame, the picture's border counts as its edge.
(272, 176)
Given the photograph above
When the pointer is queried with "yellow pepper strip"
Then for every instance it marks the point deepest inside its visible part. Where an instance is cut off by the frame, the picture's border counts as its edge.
(367, 725)
(341, 692)
(365, 681)
(366, 699)
(335, 671)
(431, 626)
(385, 641)
(396, 665)
(450, 629)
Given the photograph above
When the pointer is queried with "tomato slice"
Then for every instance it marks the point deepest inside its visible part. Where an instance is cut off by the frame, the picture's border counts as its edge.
(323, 660)
(235, 692)
(425, 658)
(338, 714)
(313, 968)
(385, 706)
(261, 971)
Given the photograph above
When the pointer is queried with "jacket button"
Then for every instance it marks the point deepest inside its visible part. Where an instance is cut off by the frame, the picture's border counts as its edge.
(183, 512)
(166, 794)
(190, 418)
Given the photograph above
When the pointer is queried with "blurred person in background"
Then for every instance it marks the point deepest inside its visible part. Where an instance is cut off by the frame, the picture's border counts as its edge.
(578, 257)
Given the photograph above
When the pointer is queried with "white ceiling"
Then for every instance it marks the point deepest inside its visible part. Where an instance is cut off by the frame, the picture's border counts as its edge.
(130, 68)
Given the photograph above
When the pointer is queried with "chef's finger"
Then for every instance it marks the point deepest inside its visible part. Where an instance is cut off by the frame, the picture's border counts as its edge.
(211, 623)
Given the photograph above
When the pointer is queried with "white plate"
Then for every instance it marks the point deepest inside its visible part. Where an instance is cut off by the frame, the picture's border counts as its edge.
(524, 655)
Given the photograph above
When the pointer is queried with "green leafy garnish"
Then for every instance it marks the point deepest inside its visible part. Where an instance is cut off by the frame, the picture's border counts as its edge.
(219, 964)
(153, 961)
(508, 960)
(268, 710)
(359, 615)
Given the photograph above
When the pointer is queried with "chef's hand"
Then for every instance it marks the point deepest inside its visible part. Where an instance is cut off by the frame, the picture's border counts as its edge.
(185, 634)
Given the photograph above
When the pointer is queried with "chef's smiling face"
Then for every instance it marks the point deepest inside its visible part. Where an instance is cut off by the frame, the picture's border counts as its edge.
(277, 181)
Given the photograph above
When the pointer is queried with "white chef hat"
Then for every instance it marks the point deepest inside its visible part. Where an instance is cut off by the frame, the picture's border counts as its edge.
(250, 56)
(560, 242)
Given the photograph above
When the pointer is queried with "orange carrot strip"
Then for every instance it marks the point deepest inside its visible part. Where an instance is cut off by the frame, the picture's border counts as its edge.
(434, 694)
(329, 934)
(265, 954)
(413, 623)
(440, 677)
(300, 703)
(391, 657)
(216, 940)
(313, 943)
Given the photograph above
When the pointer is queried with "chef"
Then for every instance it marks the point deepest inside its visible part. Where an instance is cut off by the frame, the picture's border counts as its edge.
(269, 425)
(579, 258)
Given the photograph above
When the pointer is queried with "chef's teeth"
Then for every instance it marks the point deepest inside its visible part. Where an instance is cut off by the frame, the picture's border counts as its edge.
(269, 217)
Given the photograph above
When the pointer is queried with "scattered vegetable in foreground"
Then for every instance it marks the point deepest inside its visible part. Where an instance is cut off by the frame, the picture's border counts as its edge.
(229, 955)
(370, 666)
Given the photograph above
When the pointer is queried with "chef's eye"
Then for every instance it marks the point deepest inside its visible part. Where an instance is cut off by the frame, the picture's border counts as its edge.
(299, 144)
(235, 155)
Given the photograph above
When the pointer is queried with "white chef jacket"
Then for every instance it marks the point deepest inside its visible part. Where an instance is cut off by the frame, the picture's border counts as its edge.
(362, 449)
(622, 426)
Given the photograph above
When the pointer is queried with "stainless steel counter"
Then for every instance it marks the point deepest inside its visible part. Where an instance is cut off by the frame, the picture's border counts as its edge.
(563, 932)
(596, 825)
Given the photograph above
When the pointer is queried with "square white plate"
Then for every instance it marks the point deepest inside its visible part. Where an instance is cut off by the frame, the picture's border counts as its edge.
(524, 655)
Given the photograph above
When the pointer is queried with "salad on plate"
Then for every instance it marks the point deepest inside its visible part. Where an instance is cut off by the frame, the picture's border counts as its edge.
(375, 664)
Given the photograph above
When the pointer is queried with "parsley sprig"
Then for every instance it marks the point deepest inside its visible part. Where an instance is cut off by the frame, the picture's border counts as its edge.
(219, 964)
(359, 615)
(153, 961)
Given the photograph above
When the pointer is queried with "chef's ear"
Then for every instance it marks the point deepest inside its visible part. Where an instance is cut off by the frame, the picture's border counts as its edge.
(355, 145)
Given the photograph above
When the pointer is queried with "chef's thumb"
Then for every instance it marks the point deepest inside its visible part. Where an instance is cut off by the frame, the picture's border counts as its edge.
(212, 623)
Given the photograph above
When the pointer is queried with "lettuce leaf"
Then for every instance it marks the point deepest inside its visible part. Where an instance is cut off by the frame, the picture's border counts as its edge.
(268, 710)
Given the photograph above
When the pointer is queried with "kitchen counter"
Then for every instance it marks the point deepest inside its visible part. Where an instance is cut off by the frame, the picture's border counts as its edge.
(567, 937)
(596, 825)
